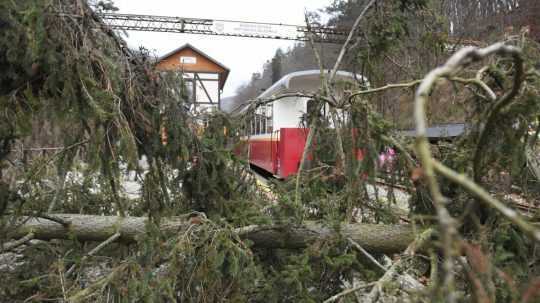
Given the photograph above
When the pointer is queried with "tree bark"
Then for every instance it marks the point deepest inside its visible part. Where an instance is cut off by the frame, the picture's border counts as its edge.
(372, 237)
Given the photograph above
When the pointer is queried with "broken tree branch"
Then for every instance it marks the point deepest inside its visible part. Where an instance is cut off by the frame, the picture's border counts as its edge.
(327, 90)
(365, 253)
(14, 244)
(345, 46)
(110, 240)
(510, 214)
(372, 237)
(481, 84)
(447, 226)
(383, 88)
(405, 280)
(462, 58)
(54, 219)
(254, 103)
(347, 291)
(478, 54)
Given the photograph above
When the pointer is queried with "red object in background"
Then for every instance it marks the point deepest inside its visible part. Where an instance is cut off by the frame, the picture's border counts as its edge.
(263, 152)
(278, 153)
(291, 147)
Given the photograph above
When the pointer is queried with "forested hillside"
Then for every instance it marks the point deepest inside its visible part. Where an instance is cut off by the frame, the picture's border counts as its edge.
(401, 42)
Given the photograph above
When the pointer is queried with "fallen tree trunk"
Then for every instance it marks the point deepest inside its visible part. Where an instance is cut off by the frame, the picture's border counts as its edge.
(372, 237)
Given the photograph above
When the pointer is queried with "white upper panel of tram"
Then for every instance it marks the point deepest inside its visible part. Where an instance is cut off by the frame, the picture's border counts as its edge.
(289, 112)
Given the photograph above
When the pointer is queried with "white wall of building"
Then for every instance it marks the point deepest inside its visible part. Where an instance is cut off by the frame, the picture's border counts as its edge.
(212, 87)
(210, 83)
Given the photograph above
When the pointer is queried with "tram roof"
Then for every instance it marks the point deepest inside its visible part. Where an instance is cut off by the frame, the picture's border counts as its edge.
(301, 81)
(306, 81)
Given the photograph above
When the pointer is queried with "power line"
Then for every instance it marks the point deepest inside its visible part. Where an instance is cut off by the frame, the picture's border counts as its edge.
(216, 27)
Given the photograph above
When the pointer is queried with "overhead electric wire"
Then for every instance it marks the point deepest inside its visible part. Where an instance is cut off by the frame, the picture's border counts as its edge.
(218, 27)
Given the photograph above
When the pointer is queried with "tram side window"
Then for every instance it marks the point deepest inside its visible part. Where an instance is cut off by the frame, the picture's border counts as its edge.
(256, 124)
(262, 119)
(252, 127)
(269, 118)
(261, 122)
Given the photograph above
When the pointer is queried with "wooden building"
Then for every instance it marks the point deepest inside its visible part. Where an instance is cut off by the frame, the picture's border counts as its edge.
(204, 77)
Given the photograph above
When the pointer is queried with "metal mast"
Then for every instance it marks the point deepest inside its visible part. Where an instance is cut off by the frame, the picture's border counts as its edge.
(150, 23)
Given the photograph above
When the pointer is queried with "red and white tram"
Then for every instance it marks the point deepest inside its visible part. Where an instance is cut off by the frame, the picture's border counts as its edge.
(276, 136)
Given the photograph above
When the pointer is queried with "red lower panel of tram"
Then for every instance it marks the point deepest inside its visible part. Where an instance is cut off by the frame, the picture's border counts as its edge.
(278, 153)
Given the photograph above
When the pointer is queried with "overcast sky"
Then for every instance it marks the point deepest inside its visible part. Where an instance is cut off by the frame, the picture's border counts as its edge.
(243, 56)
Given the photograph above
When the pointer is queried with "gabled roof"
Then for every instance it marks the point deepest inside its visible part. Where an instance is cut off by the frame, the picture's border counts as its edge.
(193, 48)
